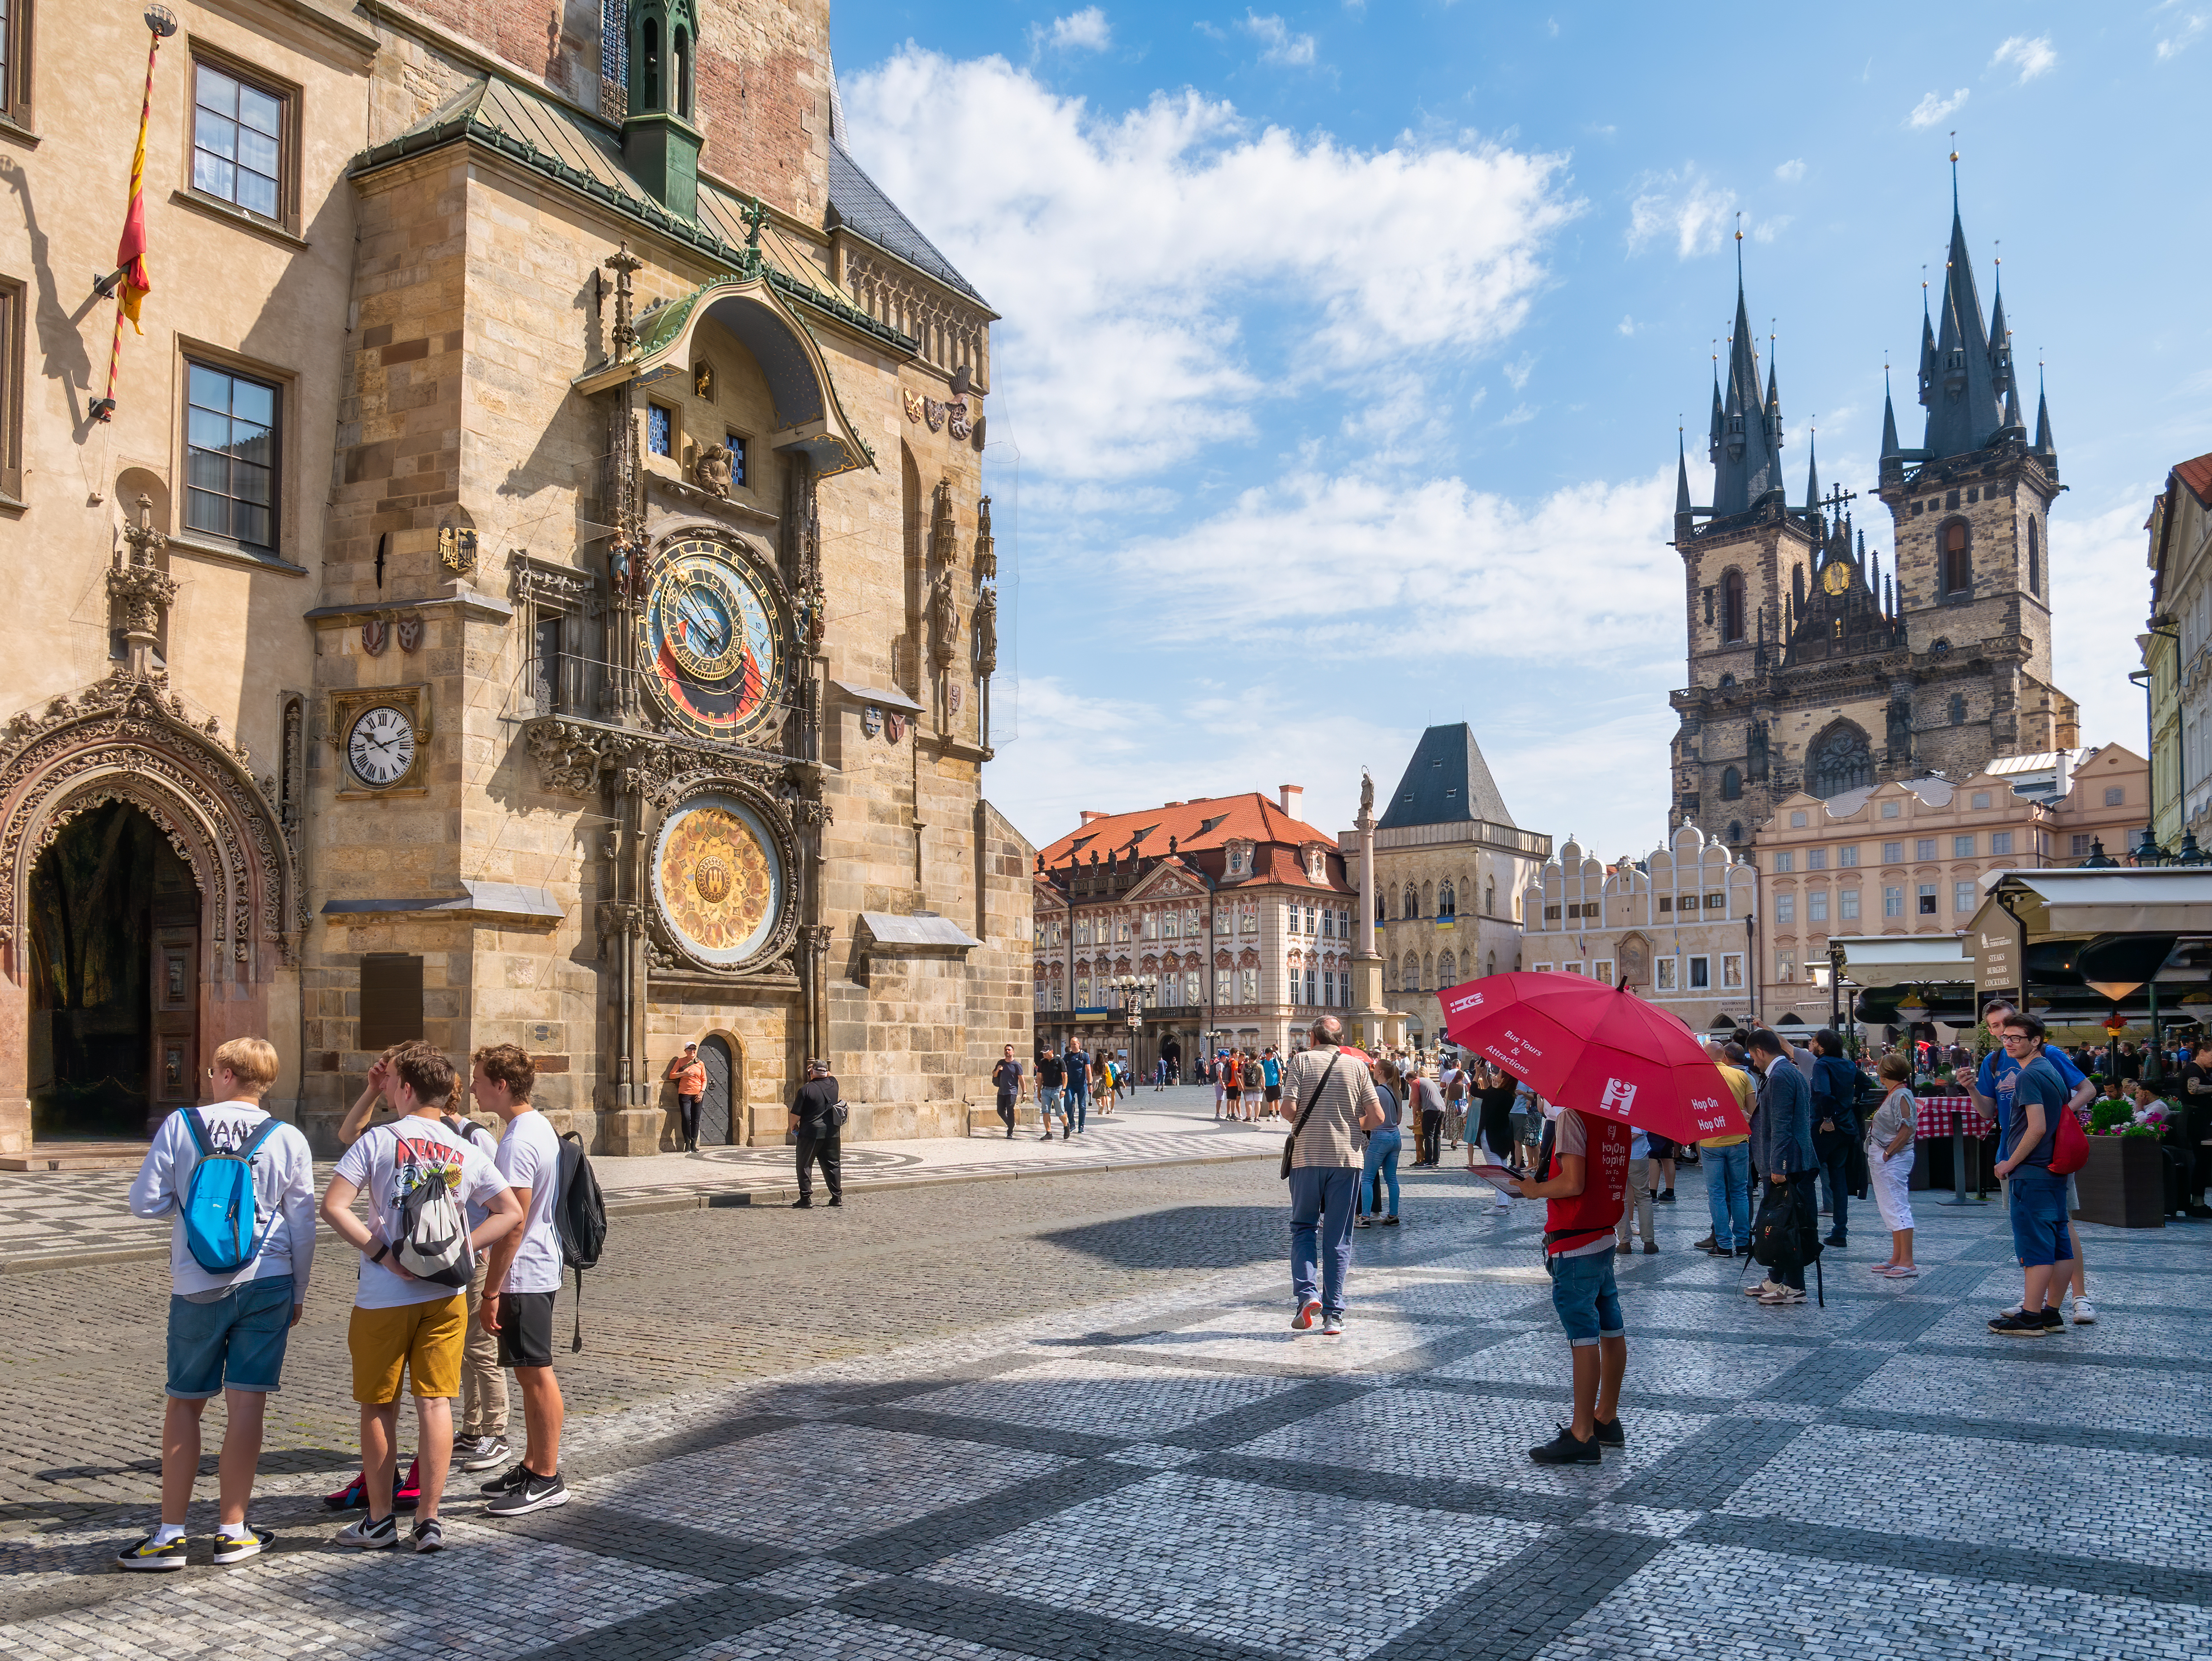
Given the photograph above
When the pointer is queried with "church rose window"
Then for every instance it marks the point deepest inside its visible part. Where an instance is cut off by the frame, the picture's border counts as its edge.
(1840, 760)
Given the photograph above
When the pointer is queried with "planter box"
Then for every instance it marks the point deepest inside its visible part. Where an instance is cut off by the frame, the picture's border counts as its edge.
(2124, 1184)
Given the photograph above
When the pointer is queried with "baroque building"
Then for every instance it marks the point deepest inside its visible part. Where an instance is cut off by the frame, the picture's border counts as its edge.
(536, 585)
(1450, 866)
(1227, 920)
(1678, 926)
(2177, 655)
(1811, 668)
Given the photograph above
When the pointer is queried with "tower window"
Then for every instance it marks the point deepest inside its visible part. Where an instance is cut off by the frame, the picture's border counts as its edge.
(1958, 709)
(1957, 566)
(2034, 560)
(1732, 607)
(1731, 786)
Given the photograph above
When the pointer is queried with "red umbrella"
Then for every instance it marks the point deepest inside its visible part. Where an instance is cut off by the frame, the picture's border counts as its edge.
(1596, 1048)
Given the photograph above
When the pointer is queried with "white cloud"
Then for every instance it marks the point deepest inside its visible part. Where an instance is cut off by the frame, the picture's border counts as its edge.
(2100, 594)
(2192, 26)
(1081, 30)
(1128, 252)
(1520, 370)
(1627, 325)
(1347, 556)
(1930, 110)
(1684, 205)
(1767, 229)
(2031, 57)
(1278, 43)
(1791, 172)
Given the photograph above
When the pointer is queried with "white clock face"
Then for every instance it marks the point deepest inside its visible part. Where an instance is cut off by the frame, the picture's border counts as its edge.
(382, 746)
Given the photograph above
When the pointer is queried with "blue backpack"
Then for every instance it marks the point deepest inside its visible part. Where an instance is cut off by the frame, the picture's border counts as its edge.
(221, 1229)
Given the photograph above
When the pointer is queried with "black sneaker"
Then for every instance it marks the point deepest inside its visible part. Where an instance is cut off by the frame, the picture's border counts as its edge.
(1609, 1435)
(1651, 1248)
(836, 1199)
(145, 1556)
(511, 1477)
(802, 1205)
(1564, 1449)
(2053, 1321)
(2022, 1325)
(229, 1548)
(1667, 1198)
(427, 1536)
(1836, 1241)
(534, 1493)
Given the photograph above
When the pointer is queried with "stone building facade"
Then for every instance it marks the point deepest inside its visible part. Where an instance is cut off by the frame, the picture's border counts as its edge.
(620, 677)
(2178, 652)
(1679, 927)
(1235, 914)
(1450, 866)
(1914, 856)
(1810, 668)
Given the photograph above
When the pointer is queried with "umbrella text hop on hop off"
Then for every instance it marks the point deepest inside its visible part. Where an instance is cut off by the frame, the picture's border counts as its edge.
(1596, 1048)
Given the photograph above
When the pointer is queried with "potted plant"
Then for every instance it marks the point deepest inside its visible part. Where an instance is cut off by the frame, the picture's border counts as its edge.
(2124, 1184)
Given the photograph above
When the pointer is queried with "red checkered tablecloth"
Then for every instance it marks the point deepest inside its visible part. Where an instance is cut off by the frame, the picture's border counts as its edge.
(1939, 1115)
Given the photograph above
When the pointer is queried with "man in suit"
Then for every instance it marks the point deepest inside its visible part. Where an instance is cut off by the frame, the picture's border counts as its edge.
(1835, 1124)
(1782, 1148)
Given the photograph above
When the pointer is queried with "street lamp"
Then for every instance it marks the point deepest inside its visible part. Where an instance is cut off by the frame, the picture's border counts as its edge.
(1135, 991)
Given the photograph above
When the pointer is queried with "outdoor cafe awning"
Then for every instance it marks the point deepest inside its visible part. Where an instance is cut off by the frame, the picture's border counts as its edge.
(1904, 959)
(2077, 900)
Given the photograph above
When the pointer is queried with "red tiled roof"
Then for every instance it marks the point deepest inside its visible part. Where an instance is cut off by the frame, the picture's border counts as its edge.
(1196, 825)
(2198, 476)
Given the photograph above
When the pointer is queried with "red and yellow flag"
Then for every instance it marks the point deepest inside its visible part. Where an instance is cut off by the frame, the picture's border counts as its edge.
(130, 252)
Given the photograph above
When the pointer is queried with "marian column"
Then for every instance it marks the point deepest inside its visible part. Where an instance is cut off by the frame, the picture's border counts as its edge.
(1372, 1017)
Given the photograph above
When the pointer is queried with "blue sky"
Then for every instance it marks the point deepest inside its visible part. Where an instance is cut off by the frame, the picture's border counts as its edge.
(1345, 345)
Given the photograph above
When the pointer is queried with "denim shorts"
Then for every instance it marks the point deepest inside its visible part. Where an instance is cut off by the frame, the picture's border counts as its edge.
(235, 1342)
(2038, 1217)
(1583, 1293)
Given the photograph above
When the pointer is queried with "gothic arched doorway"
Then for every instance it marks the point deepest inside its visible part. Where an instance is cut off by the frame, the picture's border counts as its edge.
(714, 1102)
(114, 977)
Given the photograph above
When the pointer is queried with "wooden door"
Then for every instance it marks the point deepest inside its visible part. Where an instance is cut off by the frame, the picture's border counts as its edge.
(174, 1076)
(714, 1101)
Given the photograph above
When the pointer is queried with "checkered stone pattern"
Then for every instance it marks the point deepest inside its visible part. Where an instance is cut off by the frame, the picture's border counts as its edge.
(1169, 1471)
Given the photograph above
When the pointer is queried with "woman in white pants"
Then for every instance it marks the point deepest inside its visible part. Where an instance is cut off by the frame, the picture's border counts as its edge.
(1889, 1164)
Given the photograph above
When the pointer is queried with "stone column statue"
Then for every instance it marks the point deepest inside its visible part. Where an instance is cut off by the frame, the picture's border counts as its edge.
(944, 619)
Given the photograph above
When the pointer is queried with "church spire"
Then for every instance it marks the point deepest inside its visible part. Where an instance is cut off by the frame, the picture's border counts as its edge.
(1889, 444)
(1812, 474)
(1963, 413)
(1746, 460)
(1681, 478)
(2043, 445)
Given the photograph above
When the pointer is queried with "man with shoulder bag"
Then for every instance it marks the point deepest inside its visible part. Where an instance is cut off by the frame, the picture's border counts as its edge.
(1782, 1148)
(818, 1117)
(1329, 1100)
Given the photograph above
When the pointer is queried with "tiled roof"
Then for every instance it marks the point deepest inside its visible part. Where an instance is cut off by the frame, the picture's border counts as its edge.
(1446, 782)
(858, 204)
(2197, 474)
(1200, 828)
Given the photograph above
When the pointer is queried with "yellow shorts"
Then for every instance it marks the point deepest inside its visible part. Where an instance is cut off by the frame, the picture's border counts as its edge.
(426, 1339)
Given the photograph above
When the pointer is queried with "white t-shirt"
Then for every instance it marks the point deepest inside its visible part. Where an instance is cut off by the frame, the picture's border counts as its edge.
(409, 1151)
(530, 1157)
(283, 1196)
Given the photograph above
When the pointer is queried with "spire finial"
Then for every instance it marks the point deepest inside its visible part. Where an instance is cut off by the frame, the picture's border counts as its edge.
(1739, 250)
(1954, 173)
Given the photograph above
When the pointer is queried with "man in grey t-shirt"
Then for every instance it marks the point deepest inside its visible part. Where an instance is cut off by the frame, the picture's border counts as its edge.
(1325, 1160)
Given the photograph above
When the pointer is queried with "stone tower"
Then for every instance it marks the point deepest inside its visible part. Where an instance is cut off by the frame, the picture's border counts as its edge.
(1808, 669)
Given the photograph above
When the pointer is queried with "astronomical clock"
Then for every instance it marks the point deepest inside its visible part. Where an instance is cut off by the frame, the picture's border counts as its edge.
(714, 640)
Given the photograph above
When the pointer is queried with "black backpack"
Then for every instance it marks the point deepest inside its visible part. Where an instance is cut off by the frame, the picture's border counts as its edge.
(580, 1218)
(1779, 1240)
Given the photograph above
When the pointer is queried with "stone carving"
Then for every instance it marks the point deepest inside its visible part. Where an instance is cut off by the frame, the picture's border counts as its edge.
(933, 413)
(376, 636)
(570, 757)
(944, 620)
(712, 470)
(956, 414)
(913, 401)
(872, 720)
(140, 595)
(1366, 793)
(983, 624)
(987, 552)
(411, 632)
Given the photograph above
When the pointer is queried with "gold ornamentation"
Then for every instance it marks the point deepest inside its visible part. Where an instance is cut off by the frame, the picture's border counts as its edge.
(715, 878)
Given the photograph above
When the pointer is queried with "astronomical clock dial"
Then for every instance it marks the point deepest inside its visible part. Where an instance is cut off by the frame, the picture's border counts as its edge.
(380, 747)
(714, 635)
(1837, 576)
(718, 878)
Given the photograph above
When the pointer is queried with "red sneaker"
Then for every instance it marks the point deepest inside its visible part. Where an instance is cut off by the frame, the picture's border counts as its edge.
(409, 1494)
(353, 1496)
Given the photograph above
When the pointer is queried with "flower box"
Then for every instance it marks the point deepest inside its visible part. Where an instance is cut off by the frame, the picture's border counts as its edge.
(2124, 1184)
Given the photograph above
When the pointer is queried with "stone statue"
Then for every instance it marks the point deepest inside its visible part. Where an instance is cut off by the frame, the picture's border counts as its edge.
(944, 619)
(713, 469)
(987, 553)
(702, 379)
(1366, 793)
(983, 624)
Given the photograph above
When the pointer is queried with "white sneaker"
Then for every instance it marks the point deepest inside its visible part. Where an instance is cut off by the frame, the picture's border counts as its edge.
(1780, 1296)
(1762, 1288)
(2085, 1312)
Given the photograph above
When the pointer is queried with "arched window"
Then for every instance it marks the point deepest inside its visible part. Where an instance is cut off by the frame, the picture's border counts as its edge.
(652, 76)
(1410, 903)
(1447, 969)
(1490, 898)
(1840, 760)
(2034, 560)
(1735, 830)
(1731, 784)
(1382, 909)
(1732, 606)
(1958, 709)
(1958, 562)
(680, 80)
(1447, 902)
(1491, 964)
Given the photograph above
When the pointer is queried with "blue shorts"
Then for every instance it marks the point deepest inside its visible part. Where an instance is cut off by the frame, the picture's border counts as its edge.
(236, 1342)
(2038, 1217)
(1582, 1293)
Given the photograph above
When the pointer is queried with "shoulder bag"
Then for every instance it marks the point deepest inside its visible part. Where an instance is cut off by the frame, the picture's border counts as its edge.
(1290, 1141)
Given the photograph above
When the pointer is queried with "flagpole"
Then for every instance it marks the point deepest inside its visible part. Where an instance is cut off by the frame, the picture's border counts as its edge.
(130, 257)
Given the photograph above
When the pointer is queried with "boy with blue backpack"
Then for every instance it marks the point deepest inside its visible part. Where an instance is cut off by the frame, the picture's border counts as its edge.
(240, 1184)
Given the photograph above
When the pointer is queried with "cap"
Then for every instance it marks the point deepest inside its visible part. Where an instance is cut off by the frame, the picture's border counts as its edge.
(817, 1066)
(690, 1046)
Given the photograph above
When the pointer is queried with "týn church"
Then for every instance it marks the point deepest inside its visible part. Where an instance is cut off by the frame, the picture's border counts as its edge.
(530, 578)
(1813, 668)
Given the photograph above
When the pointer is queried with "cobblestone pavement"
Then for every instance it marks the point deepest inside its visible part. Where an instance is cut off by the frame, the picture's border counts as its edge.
(49, 1219)
(1066, 1418)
